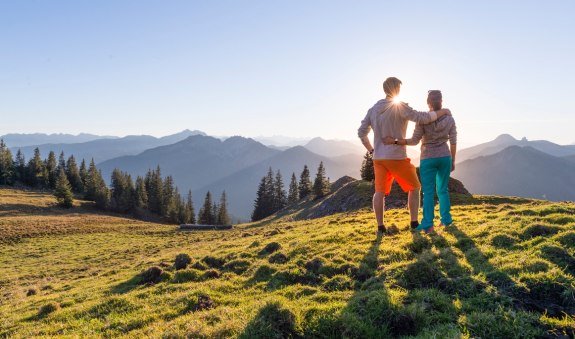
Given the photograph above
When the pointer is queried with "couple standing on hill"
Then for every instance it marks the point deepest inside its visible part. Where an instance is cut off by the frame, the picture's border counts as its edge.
(388, 118)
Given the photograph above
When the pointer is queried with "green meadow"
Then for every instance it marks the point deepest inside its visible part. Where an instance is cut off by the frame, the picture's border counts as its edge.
(505, 269)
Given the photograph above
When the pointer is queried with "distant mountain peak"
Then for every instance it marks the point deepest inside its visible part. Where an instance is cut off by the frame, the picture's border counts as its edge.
(505, 138)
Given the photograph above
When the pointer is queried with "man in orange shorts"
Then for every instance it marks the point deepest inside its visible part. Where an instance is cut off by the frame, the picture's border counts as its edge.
(390, 118)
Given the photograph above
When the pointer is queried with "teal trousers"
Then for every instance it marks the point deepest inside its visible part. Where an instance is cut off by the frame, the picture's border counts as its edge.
(434, 173)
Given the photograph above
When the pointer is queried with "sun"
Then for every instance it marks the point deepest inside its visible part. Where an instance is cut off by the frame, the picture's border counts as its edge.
(396, 99)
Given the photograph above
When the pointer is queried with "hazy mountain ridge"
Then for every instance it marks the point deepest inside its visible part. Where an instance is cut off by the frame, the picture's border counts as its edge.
(333, 148)
(194, 161)
(31, 139)
(104, 149)
(519, 171)
(505, 140)
(241, 186)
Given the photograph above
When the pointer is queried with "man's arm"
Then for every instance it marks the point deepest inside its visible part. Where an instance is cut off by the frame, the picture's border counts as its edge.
(410, 114)
(363, 131)
(414, 140)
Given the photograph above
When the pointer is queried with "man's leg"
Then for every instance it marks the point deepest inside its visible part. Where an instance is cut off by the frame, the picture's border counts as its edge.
(413, 204)
(383, 181)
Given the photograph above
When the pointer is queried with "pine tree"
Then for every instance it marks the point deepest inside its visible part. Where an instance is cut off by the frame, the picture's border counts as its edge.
(176, 209)
(74, 175)
(223, 217)
(367, 173)
(205, 216)
(305, 186)
(280, 197)
(95, 187)
(36, 175)
(189, 210)
(320, 184)
(83, 174)
(141, 193)
(7, 173)
(62, 163)
(168, 201)
(63, 191)
(20, 167)
(293, 194)
(51, 168)
(259, 211)
(154, 187)
(122, 198)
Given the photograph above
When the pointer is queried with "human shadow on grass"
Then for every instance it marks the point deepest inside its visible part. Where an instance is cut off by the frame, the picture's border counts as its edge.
(370, 299)
(546, 297)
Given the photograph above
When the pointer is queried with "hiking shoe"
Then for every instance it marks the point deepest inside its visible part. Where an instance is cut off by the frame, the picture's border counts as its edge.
(427, 230)
(414, 225)
(381, 230)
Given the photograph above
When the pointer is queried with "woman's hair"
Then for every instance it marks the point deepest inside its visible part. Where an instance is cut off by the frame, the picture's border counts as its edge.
(434, 99)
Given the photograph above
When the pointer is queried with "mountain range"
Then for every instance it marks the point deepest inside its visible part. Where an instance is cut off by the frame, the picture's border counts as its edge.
(105, 148)
(505, 140)
(25, 139)
(520, 171)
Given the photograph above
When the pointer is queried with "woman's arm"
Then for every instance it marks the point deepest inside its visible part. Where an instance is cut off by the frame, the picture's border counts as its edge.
(453, 144)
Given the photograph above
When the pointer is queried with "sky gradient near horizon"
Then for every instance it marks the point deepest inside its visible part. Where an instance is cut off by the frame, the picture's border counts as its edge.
(296, 68)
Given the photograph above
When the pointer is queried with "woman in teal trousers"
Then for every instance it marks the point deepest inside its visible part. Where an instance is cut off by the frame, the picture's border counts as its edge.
(437, 162)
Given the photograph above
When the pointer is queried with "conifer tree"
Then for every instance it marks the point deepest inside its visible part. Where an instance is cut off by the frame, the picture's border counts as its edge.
(63, 191)
(74, 175)
(205, 216)
(190, 211)
(7, 173)
(141, 193)
(320, 184)
(259, 211)
(83, 174)
(293, 193)
(36, 175)
(123, 196)
(367, 173)
(223, 217)
(305, 185)
(20, 167)
(154, 187)
(176, 209)
(51, 170)
(61, 163)
(168, 197)
(95, 187)
(279, 197)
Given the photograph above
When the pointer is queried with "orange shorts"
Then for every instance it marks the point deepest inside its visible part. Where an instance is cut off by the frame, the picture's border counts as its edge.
(401, 170)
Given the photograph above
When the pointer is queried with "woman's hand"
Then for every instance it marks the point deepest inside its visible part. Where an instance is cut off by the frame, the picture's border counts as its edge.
(388, 140)
(452, 166)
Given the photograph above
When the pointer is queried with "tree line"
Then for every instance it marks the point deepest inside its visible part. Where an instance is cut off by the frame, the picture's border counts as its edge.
(149, 194)
(272, 197)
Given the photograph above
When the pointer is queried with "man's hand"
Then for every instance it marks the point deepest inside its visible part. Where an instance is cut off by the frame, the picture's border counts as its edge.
(388, 140)
(442, 112)
(452, 166)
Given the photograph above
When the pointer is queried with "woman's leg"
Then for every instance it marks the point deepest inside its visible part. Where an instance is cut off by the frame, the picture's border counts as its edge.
(428, 172)
(443, 173)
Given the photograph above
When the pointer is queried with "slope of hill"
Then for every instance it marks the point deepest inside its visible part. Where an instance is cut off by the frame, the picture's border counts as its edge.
(505, 269)
(104, 149)
(519, 171)
(25, 139)
(505, 140)
(333, 148)
(241, 186)
(570, 158)
(195, 161)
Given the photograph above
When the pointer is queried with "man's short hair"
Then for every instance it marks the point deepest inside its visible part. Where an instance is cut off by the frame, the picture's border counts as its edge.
(391, 86)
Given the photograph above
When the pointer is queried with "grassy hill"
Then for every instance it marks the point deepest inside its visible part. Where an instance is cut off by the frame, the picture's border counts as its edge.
(505, 269)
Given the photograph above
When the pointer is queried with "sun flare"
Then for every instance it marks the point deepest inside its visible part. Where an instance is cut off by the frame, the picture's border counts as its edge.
(396, 100)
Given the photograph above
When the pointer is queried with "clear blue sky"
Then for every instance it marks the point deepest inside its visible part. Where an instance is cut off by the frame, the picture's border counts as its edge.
(298, 68)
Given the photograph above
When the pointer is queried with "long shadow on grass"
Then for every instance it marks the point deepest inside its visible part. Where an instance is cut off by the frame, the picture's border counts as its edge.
(524, 299)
